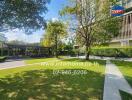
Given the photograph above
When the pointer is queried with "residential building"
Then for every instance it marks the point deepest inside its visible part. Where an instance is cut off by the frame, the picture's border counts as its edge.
(125, 36)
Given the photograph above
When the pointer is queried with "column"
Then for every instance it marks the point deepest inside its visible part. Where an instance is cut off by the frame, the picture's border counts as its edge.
(126, 27)
(2, 49)
(130, 25)
(8, 51)
(123, 27)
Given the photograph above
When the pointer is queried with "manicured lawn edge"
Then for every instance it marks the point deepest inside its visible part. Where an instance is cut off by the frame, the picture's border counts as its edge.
(38, 60)
(126, 68)
(125, 96)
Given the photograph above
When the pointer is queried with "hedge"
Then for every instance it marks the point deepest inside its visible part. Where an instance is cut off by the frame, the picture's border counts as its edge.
(112, 52)
(2, 59)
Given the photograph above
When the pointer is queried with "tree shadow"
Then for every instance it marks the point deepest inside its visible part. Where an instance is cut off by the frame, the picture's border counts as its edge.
(129, 79)
(125, 96)
(44, 85)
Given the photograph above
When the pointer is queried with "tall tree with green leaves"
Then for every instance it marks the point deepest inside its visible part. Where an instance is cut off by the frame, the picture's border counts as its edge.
(27, 15)
(55, 31)
(94, 24)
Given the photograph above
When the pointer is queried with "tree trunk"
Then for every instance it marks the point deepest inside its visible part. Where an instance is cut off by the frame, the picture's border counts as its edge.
(56, 46)
(87, 52)
(87, 56)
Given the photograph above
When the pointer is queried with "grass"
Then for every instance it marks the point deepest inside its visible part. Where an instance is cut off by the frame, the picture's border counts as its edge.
(126, 69)
(125, 96)
(38, 82)
(39, 60)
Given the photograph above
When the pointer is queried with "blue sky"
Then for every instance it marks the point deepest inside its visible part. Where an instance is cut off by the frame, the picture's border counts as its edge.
(53, 7)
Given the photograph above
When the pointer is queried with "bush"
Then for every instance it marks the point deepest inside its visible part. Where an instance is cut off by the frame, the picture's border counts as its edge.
(2, 59)
(112, 52)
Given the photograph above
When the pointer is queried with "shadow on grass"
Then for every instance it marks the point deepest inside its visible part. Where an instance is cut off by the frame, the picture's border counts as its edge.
(101, 62)
(129, 79)
(43, 85)
(125, 96)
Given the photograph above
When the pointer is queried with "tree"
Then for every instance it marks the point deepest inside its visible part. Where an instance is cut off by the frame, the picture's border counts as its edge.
(55, 31)
(24, 14)
(47, 40)
(95, 25)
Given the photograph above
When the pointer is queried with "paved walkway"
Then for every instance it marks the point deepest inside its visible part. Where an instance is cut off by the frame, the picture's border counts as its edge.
(12, 64)
(114, 81)
(106, 58)
(19, 63)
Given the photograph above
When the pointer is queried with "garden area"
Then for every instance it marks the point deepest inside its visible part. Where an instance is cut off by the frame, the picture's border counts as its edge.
(39, 82)
(65, 50)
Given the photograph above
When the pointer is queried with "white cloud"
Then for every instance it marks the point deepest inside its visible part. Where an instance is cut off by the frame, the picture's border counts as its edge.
(55, 19)
(21, 36)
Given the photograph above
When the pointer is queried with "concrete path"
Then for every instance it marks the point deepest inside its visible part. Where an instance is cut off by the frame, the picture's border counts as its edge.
(106, 58)
(19, 63)
(114, 81)
(12, 64)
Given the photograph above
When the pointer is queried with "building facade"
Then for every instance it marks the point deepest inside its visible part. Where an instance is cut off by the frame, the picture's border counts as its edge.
(125, 36)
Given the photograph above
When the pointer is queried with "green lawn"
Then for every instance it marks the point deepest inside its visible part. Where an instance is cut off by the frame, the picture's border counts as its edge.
(39, 60)
(125, 96)
(38, 82)
(126, 69)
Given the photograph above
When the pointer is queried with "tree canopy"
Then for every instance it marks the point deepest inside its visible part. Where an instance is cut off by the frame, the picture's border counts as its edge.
(55, 31)
(53, 28)
(95, 25)
(27, 15)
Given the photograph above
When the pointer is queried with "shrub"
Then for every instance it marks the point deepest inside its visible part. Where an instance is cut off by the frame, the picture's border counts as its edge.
(112, 52)
(2, 59)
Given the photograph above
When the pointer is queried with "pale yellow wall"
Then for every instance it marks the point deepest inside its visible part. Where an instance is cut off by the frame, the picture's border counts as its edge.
(118, 44)
(115, 44)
